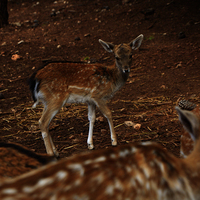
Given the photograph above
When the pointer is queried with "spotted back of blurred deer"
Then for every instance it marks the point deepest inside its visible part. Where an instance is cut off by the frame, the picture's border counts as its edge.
(141, 171)
(60, 83)
(187, 143)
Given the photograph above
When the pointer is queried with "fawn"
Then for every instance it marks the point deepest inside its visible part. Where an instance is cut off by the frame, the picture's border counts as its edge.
(59, 83)
(187, 143)
(141, 171)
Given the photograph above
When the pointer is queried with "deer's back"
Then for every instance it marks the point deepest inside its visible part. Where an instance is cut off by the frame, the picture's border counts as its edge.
(95, 79)
(126, 172)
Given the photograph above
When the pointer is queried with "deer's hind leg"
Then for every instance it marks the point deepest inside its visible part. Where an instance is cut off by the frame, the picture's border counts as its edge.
(50, 110)
(91, 118)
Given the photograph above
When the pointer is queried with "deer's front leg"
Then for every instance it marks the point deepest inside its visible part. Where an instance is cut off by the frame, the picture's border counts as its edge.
(91, 118)
(107, 113)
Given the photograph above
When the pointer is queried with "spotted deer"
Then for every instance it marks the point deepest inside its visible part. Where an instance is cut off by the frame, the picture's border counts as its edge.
(59, 83)
(134, 171)
(187, 143)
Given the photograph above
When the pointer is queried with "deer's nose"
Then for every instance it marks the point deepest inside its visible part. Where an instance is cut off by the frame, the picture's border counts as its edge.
(126, 69)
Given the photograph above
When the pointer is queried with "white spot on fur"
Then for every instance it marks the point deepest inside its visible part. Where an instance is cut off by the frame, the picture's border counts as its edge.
(124, 153)
(133, 182)
(41, 183)
(146, 172)
(128, 169)
(99, 178)
(147, 185)
(110, 190)
(28, 189)
(87, 162)
(79, 88)
(61, 175)
(9, 191)
(77, 167)
(74, 98)
(45, 181)
(138, 177)
(113, 156)
(146, 143)
(100, 159)
(118, 185)
(133, 150)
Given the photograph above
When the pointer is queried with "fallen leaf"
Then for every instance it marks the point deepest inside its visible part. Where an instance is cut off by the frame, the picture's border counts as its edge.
(129, 123)
(99, 119)
(15, 57)
(104, 131)
(137, 126)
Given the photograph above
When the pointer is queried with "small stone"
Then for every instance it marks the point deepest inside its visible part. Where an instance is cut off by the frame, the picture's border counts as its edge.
(129, 123)
(22, 41)
(1, 96)
(53, 14)
(59, 46)
(137, 126)
(87, 35)
(15, 57)
(35, 21)
(179, 65)
(181, 35)
(3, 44)
(106, 7)
(35, 25)
(148, 11)
(77, 38)
(17, 23)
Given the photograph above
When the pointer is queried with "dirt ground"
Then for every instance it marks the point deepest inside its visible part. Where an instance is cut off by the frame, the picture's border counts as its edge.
(165, 70)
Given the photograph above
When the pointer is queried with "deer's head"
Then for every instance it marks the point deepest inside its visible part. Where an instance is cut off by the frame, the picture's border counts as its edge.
(123, 52)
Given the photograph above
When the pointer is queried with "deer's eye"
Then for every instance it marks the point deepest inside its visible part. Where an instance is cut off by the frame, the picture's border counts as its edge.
(130, 56)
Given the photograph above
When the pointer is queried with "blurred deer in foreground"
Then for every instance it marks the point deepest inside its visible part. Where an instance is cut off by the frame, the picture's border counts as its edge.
(141, 171)
(187, 144)
(59, 83)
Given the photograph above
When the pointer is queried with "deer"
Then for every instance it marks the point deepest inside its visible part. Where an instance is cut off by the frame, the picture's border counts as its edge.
(137, 171)
(94, 84)
(187, 143)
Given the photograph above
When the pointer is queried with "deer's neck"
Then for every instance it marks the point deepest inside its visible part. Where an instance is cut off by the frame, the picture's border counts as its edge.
(121, 77)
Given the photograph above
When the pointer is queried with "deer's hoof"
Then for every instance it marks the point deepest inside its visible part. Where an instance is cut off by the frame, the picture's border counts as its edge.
(90, 146)
(56, 154)
(114, 143)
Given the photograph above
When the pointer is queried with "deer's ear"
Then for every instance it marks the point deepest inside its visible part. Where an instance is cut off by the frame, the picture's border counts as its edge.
(189, 121)
(135, 44)
(107, 46)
